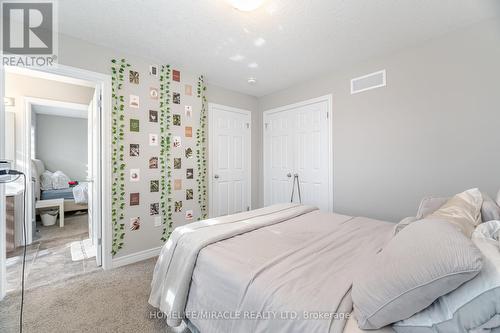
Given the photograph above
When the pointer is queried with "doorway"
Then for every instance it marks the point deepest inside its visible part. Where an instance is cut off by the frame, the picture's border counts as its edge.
(229, 160)
(59, 136)
(298, 151)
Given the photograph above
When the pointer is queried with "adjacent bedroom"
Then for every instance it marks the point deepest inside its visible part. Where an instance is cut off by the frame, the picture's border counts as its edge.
(250, 166)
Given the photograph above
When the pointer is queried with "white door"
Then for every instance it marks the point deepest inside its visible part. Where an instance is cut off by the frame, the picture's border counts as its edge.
(93, 152)
(230, 153)
(297, 142)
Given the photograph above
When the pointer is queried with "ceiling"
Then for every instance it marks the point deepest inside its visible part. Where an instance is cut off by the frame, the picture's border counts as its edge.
(282, 43)
(60, 111)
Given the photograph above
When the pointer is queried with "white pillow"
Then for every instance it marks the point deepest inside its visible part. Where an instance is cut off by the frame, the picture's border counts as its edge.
(490, 210)
(463, 210)
(60, 180)
(467, 308)
(46, 181)
(488, 230)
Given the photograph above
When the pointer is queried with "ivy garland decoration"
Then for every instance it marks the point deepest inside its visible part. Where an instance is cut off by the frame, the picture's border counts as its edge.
(118, 177)
(165, 147)
(201, 150)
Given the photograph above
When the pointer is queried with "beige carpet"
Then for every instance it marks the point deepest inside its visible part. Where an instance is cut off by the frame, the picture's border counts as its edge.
(103, 301)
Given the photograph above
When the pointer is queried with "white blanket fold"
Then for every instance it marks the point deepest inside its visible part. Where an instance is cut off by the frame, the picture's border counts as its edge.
(174, 269)
(81, 193)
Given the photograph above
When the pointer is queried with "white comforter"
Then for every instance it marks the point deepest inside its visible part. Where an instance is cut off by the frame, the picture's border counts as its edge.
(174, 269)
(296, 260)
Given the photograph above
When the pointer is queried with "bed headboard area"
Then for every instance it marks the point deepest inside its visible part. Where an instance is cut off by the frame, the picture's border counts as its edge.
(37, 168)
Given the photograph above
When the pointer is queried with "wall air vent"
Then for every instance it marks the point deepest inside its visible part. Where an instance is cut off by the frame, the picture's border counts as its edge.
(368, 82)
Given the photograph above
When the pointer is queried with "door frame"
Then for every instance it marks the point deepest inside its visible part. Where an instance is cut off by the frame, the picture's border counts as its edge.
(101, 82)
(211, 107)
(329, 100)
(27, 149)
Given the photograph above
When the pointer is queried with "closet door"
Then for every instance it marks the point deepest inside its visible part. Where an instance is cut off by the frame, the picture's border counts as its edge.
(297, 142)
(311, 153)
(279, 141)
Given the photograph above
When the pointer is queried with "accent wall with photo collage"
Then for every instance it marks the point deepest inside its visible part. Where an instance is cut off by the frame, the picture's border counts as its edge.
(159, 152)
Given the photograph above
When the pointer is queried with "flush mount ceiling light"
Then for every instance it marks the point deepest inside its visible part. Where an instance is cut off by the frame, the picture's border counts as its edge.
(252, 80)
(246, 5)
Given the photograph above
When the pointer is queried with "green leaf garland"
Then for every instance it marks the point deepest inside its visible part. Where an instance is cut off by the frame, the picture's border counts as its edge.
(118, 176)
(201, 150)
(165, 156)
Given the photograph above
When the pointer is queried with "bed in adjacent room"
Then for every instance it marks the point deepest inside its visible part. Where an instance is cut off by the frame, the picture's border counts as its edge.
(292, 268)
(75, 197)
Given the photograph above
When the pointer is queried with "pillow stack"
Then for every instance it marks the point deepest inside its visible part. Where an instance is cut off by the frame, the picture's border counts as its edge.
(426, 260)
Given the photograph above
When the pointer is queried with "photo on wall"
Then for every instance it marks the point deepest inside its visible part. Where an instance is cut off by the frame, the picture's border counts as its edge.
(177, 184)
(176, 119)
(134, 149)
(154, 209)
(176, 141)
(178, 206)
(189, 214)
(135, 175)
(133, 77)
(189, 173)
(176, 98)
(153, 70)
(153, 116)
(188, 132)
(189, 194)
(134, 199)
(189, 153)
(176, 75)
(153, 93)
(153, 139)
(154, 186)
(153, 163)
(135, 223)
(177, 163)
(188, 111)
(188, 90)
(134, 125)
(134, 101)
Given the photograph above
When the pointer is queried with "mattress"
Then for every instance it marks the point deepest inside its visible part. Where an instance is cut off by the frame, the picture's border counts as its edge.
(66, 194)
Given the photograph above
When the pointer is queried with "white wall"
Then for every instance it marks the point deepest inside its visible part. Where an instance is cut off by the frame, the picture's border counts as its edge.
(21, 86)
(81, 54)
(61, 143)
(433, 130)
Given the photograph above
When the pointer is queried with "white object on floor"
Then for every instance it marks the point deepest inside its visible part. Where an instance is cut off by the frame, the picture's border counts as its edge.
(82, 250)
(53, 203)
(49, 217)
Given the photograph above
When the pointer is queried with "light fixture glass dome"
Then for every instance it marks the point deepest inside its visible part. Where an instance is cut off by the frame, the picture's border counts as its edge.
(246, 5)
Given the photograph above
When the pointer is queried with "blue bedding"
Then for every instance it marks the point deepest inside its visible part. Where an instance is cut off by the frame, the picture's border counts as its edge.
(66, 194)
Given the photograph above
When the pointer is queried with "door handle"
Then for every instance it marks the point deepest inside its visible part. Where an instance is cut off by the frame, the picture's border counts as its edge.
(216, 176)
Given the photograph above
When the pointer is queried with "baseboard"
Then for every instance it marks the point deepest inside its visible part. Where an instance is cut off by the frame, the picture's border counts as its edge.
(136, 257)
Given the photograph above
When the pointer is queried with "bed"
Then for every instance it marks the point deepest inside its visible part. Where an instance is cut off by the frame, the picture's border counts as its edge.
(68, 194)
(288, 273)
(291, 268)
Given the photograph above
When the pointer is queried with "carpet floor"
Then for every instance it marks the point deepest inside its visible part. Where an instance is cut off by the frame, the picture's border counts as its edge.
(50, 257)
(102, 301)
